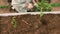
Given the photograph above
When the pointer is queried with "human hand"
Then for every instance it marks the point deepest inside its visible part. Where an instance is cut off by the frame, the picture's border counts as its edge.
(35, 4)
(29, 5)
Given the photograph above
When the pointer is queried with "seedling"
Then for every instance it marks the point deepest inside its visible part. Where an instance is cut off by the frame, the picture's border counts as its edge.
(13, 22)
(43, 6)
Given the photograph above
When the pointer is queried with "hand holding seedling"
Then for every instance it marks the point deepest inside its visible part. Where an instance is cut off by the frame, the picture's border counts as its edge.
(29, 5)
(35, 2)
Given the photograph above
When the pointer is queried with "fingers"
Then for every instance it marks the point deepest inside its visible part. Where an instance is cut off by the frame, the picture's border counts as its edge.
(27, 4)
(30, 6)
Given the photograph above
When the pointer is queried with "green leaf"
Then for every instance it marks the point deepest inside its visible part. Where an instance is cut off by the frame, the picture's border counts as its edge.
(13, 22)
(3, 6)
(55, 5)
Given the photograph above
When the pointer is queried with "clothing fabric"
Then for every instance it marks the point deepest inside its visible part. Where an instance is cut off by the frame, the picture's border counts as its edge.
(19, 5)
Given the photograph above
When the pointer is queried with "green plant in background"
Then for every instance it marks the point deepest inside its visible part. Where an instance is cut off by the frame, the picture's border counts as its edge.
(44, 6)
(55, 5)
(4, 6)
(13, 22)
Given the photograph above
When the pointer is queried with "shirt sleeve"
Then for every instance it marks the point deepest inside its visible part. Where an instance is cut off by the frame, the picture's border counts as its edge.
(28, 1)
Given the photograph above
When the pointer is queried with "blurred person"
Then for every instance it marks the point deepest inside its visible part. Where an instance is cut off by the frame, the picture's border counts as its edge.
(23, 5)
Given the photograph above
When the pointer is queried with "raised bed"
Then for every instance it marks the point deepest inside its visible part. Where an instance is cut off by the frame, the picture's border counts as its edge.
(30, 23)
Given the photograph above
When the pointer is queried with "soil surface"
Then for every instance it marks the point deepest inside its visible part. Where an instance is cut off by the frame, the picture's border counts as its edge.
(7, 10)
(31, 24)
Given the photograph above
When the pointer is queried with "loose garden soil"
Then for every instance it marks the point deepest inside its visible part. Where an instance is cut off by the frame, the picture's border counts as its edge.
(31, 24)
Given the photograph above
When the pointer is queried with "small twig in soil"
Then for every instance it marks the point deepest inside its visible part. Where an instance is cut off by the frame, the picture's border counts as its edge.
(25, 22)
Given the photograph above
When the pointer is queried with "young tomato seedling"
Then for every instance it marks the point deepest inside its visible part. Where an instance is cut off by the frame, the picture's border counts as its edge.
(44, 6)
(13, 22)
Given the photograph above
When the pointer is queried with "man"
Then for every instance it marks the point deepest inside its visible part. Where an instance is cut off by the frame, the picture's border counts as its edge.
(22, 5)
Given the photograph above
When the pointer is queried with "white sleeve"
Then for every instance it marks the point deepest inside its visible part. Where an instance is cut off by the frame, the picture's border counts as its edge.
(28, 1)
(14, 2)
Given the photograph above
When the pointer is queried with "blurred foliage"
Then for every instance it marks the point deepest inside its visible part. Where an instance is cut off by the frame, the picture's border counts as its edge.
(44, 5)
(4, 6)
(55, 5)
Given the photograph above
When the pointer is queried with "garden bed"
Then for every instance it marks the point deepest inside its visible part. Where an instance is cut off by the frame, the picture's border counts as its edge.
(31, 24)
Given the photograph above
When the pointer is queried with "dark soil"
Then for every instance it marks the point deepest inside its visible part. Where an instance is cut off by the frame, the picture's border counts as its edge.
(31, 24)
